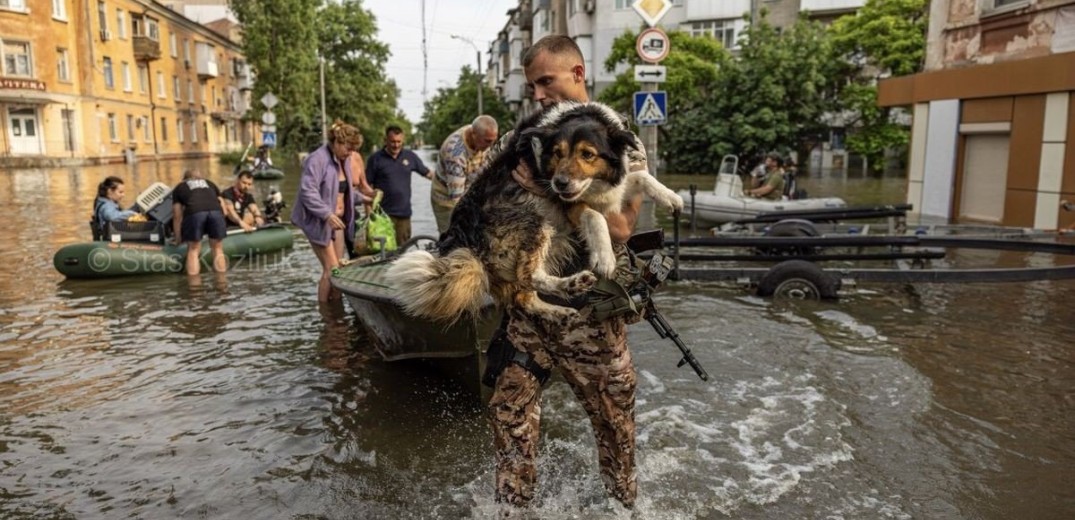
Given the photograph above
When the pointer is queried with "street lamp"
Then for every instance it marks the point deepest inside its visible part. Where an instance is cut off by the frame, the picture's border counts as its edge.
(479, 53)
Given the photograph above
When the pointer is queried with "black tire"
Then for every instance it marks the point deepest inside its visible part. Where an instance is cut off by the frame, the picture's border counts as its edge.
(790, 228)
(798, 280)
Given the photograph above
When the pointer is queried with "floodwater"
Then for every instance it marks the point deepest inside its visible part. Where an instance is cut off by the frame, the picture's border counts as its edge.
(237, 397)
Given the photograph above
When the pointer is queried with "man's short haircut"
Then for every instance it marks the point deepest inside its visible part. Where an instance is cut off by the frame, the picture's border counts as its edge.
(557, 44)
(776, 157)
(392, 130)
(483, 123)
(245, 174)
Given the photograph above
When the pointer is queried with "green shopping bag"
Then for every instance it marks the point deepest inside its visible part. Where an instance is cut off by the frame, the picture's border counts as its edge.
(378, 225)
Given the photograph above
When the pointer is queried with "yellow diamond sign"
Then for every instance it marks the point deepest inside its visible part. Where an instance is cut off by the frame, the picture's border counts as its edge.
(652, 10)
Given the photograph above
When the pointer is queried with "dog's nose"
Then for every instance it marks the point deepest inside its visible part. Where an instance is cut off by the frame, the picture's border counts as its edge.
(561, 183)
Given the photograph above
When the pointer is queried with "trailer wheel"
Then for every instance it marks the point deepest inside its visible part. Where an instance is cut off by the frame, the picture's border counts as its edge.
(790, 228)
(798, 280)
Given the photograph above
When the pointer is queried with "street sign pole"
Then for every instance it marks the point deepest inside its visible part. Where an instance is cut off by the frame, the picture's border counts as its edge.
(652, 46)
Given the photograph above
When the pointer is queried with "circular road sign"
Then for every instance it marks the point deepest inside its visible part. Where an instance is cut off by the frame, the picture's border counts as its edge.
(268, 118)
(653, 45)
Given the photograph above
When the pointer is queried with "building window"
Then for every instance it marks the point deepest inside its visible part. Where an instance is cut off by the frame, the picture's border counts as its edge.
(172, 47)
(110, 82)
(102, 17)
(13, 5)
(130, 127)
(186, 51)
(17, 60)
(68, 117)
(178, 130)
(160, 85)
(153, 29)
(121, 23)
(623, 4)
(145, 128)
(63, 69)
(190, 91)
(113, 132)
(175, 89)
(125, 68)
(722, 30)
(59, 9)
(143, 78)
(193, 131)
(164, 129)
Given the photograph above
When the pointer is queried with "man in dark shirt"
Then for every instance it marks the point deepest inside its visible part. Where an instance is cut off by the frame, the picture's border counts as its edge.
(389, 170)
(239, 206)
(197, 211)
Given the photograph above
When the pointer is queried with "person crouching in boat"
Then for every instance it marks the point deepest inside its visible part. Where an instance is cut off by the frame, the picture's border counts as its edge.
(197, 210)
(239, 206)
(771, 185)
(106, 208)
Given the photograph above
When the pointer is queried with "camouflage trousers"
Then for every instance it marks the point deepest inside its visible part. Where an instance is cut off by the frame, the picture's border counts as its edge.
(593, 358)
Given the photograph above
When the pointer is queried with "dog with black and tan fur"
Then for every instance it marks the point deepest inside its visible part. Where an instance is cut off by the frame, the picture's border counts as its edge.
(506, 242)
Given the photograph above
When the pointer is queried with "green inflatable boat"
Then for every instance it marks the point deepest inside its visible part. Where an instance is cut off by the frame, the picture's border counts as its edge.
(267, 173)
(109, 259)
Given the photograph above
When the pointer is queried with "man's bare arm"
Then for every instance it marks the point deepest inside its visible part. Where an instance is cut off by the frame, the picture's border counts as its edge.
(621, 225)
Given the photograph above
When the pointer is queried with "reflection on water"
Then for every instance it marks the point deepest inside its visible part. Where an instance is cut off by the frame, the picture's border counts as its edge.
(239, 397)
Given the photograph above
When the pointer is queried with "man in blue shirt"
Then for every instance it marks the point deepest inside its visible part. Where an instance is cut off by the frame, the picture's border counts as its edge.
(389, 170)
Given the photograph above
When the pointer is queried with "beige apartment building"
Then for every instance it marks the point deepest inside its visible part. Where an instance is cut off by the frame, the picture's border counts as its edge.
(96, 81)
(993, 136)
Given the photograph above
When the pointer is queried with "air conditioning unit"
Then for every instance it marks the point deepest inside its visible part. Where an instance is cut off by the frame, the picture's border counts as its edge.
(106, 35)
(589, 6)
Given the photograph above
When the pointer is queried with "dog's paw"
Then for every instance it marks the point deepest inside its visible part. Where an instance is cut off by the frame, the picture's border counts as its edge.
(670, 200)
(580, 283)
(603, 263)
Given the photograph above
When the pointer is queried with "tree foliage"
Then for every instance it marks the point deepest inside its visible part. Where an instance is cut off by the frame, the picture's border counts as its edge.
(885, 37)
(453, 107)
(282, 41)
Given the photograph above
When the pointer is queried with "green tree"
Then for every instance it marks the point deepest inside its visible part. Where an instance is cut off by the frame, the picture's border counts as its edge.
(280, 43)
(453, 107)
(356, 88)
(770, 97)
(885, 38)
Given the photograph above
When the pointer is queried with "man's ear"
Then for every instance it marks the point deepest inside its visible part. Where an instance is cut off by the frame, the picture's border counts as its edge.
(578, 73)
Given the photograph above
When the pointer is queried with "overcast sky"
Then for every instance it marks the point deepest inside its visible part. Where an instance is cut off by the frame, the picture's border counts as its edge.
(399, 24)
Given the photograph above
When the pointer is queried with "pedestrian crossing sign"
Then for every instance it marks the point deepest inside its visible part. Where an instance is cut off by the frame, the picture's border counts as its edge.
(268, 139)
(651, 108)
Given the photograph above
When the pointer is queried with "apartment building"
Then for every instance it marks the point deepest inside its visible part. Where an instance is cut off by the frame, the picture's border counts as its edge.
(993, 135)
(93, 81)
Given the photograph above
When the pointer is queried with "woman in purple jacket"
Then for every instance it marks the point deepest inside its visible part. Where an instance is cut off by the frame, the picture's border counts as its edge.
(325, 205)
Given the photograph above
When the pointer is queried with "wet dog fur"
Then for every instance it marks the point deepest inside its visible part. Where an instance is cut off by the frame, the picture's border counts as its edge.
(506, 242)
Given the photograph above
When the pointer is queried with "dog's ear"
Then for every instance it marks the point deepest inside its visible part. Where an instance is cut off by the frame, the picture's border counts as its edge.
(531, 146)
(622, 141)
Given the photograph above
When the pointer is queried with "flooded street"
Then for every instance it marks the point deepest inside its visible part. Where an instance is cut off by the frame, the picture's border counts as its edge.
(237, 397)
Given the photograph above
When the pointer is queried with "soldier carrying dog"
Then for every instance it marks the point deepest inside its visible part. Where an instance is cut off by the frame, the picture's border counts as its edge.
(592, 354)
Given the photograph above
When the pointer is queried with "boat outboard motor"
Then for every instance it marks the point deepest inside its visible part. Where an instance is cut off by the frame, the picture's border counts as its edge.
(274, 205)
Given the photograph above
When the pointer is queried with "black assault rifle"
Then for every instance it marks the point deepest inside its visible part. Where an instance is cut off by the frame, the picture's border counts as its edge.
(654, 274)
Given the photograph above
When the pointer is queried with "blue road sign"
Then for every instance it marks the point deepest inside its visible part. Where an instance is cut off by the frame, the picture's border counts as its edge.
(651, 108)
(268, 139)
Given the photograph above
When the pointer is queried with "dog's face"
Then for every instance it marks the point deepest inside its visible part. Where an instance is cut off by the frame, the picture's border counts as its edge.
(579, 153)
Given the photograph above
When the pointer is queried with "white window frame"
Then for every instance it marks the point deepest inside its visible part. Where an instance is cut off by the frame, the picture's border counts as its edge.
(193, 130)
(109, 73)
(153, 29)
(179, 130)
(145, 129)
(19, 6)
(130, 128)
(161, 92)
(190, 91)
(990, 7)
(178, 94)
(63, 65)
(59, 10)
(125, 68)
(172, 45)
(143, 78)
(113, 131)
(722, 30)
(102, 16)
(29, 59)
(121, 23)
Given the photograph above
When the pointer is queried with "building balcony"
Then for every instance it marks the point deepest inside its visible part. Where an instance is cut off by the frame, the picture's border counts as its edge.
(245, 83)
(146, 48)
(208, 69)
